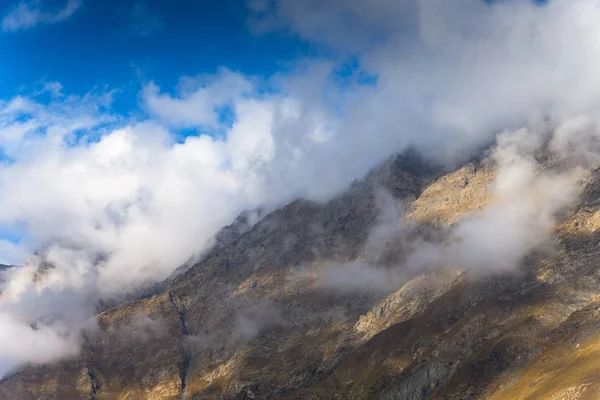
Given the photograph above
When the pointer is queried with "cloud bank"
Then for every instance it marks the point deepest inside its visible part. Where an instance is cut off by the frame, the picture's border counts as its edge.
(113, 202)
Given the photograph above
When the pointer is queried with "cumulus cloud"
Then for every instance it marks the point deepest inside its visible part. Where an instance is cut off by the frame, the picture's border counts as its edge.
(117, 202)
(463, 70)
(27, 15)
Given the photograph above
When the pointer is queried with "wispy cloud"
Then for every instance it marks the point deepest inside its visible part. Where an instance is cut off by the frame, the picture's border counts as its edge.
(27, 15)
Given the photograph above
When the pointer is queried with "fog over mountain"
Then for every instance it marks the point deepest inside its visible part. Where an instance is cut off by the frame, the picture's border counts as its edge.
(111, 203)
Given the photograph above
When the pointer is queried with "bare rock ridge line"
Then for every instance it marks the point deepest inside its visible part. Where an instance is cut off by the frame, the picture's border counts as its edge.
(266, 314)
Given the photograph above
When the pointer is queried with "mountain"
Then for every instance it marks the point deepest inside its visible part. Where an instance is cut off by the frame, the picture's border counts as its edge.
(308, 303)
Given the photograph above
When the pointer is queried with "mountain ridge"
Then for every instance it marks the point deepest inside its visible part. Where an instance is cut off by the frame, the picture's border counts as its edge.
(267, 315)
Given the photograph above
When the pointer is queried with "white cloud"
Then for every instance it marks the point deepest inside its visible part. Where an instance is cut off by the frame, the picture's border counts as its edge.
(198, 99)
(462, 69)
(28, 14)
(53, 88)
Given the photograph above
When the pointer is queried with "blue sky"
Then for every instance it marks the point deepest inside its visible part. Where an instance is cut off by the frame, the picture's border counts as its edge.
(121, 43)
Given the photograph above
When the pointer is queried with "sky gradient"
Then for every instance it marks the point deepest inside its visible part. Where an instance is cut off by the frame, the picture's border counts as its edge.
(121, 44)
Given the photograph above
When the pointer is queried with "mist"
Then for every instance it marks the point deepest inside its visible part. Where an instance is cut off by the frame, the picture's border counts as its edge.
(114, 202)
(528, 198)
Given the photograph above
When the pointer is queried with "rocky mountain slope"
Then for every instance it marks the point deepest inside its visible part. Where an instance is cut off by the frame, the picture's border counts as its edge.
(269, 314)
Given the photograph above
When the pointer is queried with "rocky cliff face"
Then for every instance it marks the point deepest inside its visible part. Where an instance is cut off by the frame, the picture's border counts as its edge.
(267, 314)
